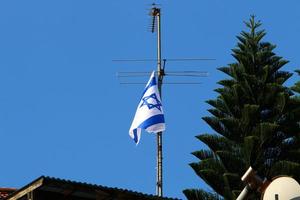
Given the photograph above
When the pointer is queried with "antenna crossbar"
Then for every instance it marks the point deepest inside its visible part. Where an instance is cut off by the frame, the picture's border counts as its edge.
(166, 59)
(166, 83)
(168, 73)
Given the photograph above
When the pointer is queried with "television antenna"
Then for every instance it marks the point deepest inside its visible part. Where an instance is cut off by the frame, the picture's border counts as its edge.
(155, 13)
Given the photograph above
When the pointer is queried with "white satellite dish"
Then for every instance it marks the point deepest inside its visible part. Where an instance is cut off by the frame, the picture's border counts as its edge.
(282, 188)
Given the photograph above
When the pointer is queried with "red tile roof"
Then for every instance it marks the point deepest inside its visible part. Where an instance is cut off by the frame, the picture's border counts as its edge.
(4, 192)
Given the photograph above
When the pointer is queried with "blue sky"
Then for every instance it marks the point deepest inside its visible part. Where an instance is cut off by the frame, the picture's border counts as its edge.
(64, 113)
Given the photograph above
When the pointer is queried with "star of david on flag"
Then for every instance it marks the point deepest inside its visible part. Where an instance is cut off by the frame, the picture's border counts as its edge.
(149, 115)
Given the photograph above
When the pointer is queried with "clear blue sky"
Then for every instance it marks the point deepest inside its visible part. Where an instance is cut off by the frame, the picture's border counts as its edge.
(63, 112)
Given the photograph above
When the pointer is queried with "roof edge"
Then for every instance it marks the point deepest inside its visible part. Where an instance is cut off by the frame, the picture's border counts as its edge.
(42, 180)
(27, 188)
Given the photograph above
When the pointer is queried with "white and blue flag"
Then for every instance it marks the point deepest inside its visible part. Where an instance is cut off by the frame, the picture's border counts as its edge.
(149, 114)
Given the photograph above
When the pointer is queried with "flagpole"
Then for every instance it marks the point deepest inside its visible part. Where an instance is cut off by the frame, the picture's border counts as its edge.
(160, 72)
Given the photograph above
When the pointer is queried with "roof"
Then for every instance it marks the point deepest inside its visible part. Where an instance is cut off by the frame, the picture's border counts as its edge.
(56, 185)
(4, 192)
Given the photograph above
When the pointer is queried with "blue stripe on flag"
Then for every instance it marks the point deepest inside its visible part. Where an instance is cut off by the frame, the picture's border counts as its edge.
(152, 83)
(135, 136)
(156, 119)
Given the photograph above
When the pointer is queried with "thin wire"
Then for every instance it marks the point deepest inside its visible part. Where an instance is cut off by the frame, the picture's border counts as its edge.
(147, 72)
(171, 73)
(191, 75)
(179, 75)
(189, 59)
(167, 83)
(169, 59)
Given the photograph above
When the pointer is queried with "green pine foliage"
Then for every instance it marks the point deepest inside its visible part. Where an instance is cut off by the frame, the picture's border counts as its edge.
(256, 120)
(296, 87)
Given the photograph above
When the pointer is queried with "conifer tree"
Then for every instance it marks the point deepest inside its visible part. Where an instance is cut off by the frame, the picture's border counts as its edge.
(255, 118)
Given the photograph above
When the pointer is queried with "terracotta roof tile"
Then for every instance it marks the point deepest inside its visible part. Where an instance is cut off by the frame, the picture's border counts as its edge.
(4, 192)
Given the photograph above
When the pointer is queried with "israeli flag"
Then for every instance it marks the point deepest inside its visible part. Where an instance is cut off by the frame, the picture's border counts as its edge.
(149, 114)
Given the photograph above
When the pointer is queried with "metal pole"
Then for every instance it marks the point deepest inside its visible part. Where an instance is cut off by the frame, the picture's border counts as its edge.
(159, 177)
(244, 193)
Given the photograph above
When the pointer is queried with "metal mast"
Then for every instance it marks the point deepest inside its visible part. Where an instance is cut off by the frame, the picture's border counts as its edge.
(155, 12)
